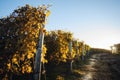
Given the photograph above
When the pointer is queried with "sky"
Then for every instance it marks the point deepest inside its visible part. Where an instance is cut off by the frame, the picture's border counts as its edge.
(96, 22)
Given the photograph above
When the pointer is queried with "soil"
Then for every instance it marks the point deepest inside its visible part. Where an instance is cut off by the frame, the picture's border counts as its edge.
(102, 66)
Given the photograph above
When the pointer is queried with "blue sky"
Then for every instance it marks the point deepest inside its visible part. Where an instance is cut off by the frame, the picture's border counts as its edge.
(97, 22)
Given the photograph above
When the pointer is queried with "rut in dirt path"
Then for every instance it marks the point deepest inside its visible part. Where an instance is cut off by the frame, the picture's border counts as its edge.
(101, 67)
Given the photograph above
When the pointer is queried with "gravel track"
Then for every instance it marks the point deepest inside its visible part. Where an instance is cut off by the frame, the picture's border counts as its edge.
(102, 66)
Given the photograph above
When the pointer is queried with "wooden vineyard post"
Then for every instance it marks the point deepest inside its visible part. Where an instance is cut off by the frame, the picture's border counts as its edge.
(70, 51)
(83, 52)
(37, 67)
(77, 50)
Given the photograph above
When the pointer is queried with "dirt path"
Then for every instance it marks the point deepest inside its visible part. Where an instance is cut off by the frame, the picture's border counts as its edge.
(102, 66)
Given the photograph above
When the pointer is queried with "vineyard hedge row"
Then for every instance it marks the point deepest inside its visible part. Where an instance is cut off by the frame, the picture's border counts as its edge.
(19, 35)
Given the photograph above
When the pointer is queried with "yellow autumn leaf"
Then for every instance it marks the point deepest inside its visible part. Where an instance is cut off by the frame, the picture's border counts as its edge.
(9, 65)
(30, 55)
(14, 60)
(29, 69)
(23, 69)
(48, 13)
